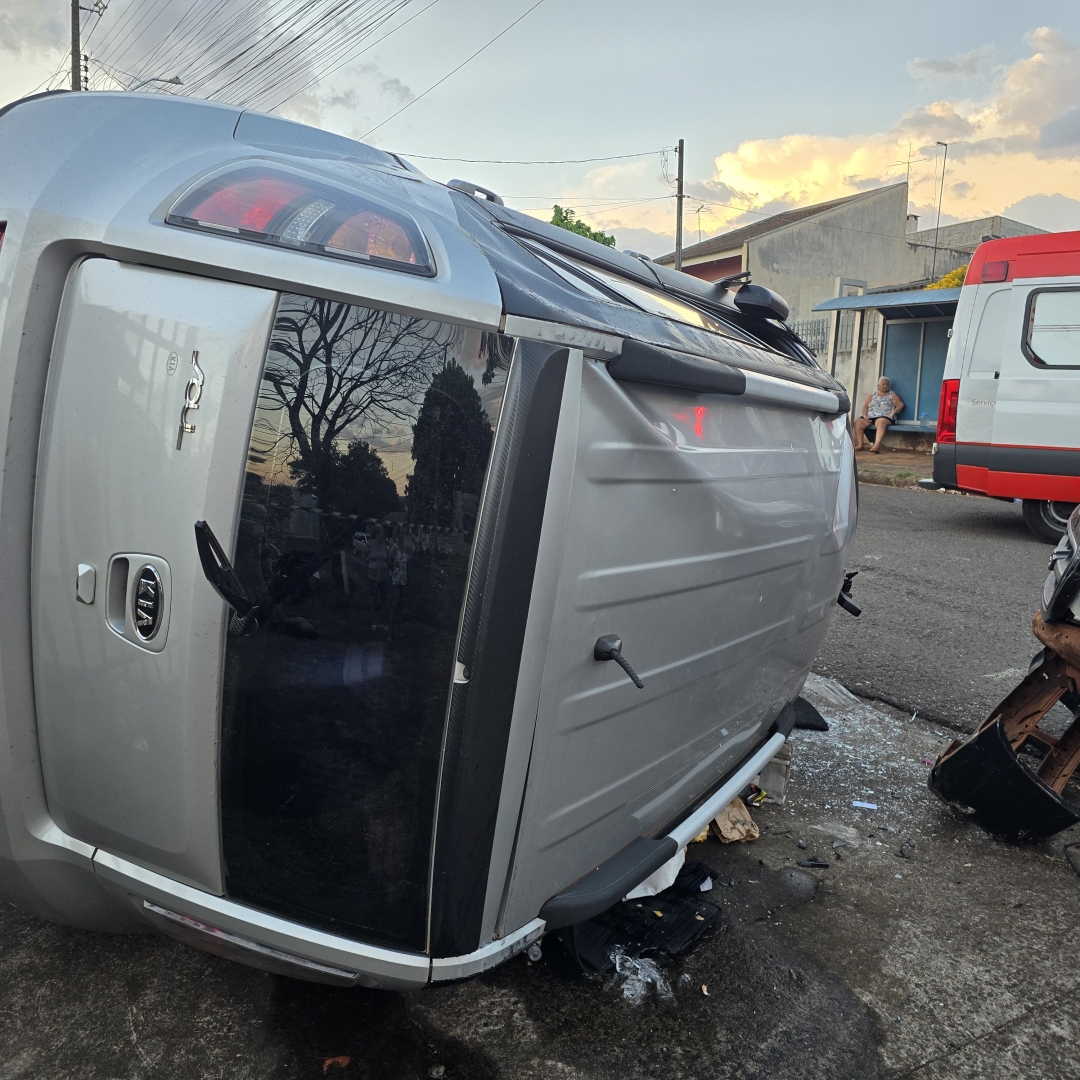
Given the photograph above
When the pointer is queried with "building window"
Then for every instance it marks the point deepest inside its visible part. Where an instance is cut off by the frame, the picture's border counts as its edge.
(914, 364)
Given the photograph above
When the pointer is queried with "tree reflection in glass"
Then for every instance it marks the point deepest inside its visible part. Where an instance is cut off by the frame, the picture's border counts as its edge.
(368, 452)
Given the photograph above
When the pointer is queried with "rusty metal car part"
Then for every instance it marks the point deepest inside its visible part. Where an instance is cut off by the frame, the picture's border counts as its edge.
(984, 776)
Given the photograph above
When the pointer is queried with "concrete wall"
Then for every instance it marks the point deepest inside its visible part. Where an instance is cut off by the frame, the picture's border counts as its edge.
(967, 235)
(864, 239)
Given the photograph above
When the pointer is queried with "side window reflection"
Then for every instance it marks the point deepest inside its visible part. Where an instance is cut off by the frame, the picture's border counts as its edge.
(369, 448)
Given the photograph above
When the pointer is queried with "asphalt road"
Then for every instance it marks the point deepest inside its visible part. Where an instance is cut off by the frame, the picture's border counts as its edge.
(923, 949)
(948, 585)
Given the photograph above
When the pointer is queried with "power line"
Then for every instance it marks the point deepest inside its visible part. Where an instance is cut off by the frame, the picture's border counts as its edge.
(486, 45)
(513, 161)
(355, 56)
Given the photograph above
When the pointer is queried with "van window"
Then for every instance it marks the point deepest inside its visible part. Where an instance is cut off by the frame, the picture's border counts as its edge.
(1052, 336)
(985, 356)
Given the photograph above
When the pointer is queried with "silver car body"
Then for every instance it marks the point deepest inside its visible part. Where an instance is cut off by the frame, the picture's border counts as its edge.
(708, 530)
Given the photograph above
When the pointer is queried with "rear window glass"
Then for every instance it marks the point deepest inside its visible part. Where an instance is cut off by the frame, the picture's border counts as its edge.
(367, 459)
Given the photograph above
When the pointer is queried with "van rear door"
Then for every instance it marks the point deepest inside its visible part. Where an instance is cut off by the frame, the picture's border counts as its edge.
(979, 385)
(1036, 431)
(127, 635)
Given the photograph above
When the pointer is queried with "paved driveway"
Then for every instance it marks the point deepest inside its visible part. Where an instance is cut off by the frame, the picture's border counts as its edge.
(948, 585)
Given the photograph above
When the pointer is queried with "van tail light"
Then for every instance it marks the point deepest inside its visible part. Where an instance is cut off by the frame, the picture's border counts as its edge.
(995, 271)
(3, 229)
(272, 206)
(946, 413)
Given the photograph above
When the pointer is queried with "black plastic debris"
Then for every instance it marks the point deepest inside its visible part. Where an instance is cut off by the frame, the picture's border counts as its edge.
(807, 717)
(693, 878)
(660, 927)
(814, 864)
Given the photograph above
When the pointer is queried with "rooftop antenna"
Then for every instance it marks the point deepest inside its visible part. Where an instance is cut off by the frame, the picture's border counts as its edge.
(698, 212)
(908, 163)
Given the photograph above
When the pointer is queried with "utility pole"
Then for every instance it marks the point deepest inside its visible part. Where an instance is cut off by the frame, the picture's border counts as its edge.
(76, 51)
(937, 227)
(678, 205)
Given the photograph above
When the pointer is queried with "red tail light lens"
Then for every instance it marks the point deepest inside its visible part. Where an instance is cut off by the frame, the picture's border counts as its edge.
(995, 271)
(272, 206)
(3, 229)
(946, 413)
(248, 204)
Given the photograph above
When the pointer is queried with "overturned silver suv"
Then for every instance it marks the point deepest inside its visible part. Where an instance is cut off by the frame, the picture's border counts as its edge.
(389, 577)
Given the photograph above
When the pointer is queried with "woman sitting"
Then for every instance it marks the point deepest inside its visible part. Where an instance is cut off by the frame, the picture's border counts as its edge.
(879, 410)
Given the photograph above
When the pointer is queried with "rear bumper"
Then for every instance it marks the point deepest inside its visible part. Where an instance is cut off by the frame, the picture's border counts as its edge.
(1010, 472)
(945, 465)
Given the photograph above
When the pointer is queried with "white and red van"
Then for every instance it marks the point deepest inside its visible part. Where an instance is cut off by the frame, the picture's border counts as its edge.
(1009, 416)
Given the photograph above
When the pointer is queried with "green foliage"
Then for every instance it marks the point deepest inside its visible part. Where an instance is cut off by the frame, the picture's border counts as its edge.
(451, 443)
(952, 280)
(567, 219)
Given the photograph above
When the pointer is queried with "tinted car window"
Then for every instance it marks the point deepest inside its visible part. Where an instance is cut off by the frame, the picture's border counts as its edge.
(366, 465)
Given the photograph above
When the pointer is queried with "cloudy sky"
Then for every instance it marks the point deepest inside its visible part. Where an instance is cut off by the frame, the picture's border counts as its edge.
(780, 105)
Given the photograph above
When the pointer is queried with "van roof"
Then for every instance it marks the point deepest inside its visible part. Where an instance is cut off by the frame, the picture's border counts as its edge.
(1042, 255)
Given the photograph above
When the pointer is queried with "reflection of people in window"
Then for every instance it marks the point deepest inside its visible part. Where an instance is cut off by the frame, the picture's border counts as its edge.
(380, 555)
(880, 409)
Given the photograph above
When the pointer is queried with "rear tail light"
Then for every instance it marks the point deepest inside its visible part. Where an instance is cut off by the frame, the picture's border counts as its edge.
(3, 229)
(272, 206)
(946, 414)
(995, 271)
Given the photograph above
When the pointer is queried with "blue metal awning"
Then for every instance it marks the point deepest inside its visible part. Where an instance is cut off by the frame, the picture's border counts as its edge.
(911, 304)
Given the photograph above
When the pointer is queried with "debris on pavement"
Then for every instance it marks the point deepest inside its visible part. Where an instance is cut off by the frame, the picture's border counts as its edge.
(814, 864)
(663, 877)
(734, 824)
(693, 878)
(754, 796)
(864, 805)
(773, 778)
(984, 775)
(659, 927)
(634, 976)
(340, 1062)
(807, 717)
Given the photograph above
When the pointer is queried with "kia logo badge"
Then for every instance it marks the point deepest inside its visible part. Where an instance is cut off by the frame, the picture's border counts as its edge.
(147, 602)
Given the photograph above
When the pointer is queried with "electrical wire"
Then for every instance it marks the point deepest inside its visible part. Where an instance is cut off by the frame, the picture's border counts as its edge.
(486, 45)
(354, 56)
(509, 161)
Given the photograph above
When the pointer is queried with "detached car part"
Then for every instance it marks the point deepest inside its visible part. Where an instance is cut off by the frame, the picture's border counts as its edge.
(987, 775)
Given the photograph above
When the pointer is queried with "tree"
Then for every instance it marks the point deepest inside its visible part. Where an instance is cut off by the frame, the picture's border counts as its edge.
(567, 219)
(336, 370)
(952, 280)
(451, 443)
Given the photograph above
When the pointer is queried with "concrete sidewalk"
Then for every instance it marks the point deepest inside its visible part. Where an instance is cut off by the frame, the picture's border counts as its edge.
(894, 468)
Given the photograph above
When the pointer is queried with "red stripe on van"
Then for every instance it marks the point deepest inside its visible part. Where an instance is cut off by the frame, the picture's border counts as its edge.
(971, 477)
(1016, 485)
